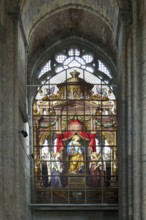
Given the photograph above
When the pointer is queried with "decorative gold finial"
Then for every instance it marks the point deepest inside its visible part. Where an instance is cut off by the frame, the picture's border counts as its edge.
(74, 74)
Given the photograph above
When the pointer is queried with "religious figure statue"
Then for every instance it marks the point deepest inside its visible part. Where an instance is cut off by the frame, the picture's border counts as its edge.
(57, 169)
(75, 150)
(94, 170)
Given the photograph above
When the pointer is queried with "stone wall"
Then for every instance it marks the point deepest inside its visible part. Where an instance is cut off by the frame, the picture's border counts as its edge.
(14, 152)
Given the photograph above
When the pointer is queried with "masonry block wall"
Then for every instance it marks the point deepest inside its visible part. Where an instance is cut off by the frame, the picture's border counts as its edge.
(14, 152)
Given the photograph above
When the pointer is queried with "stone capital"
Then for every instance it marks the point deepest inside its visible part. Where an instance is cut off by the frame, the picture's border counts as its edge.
(17, 17)
(124, 15)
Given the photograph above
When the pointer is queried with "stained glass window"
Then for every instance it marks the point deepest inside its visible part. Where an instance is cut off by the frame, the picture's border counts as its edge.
(75, 132)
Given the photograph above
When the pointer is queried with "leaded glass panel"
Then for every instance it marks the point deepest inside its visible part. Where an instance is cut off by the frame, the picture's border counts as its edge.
(75, 136)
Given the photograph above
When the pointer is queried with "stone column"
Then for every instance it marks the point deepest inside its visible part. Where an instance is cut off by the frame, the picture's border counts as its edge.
(129, 129)
(129, 120)
(122, 114)
(143, 113)
(1, 123)
(2, 36)
(10, 117)
(13, 149)
(135, 114)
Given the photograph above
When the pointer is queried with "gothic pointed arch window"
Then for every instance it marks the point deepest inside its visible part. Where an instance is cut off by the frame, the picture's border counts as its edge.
(75, 126)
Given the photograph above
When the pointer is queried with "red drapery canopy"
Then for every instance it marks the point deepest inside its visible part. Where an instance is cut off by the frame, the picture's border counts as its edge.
(69, 134)
(75, 127)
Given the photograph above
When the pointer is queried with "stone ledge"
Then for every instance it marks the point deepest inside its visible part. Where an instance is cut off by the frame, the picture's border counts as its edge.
(40, 207)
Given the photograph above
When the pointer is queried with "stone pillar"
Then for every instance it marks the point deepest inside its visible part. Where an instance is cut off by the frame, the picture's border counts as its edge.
(143, 113)
(10, 116)
(1, 120)
(122, 114)
(2, 35)
(14, 157)
(135, 114)
(129, 130)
